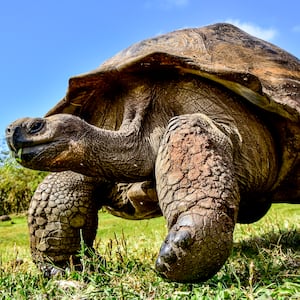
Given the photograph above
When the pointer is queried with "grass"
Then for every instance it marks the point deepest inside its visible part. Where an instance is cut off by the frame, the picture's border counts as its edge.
(265, 263)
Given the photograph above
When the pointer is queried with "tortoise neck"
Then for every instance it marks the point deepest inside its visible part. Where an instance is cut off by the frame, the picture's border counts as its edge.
(123, 155)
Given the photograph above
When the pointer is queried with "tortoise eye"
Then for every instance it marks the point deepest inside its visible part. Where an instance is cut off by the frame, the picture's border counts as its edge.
(36, 126)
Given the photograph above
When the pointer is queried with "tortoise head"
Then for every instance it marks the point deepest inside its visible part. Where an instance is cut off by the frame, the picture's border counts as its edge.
(44, 143)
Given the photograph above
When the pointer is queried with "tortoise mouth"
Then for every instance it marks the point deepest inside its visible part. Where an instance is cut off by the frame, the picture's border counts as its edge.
(23, 134)
(27, 154)
(23, 149)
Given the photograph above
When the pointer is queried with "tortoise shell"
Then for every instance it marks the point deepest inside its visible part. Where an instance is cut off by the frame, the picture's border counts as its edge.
(260, 72)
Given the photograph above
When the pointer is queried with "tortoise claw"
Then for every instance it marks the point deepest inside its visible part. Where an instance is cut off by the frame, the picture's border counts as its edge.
(176, 242)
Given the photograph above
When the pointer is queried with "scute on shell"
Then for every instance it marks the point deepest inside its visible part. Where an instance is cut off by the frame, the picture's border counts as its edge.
(262, 73)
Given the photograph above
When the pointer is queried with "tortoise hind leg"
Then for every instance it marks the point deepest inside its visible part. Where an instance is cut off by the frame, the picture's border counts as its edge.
(199, 197)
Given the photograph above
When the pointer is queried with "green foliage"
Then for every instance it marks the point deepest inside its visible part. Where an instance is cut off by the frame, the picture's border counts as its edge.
(17, 185)
(265, 263)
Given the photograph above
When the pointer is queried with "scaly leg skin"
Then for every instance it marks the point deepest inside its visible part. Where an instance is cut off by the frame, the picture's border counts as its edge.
(198, 195)
(66, 203)
(63, 205)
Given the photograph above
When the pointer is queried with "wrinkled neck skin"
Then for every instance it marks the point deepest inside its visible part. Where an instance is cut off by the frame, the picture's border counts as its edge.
(123, 155)
(127, 154)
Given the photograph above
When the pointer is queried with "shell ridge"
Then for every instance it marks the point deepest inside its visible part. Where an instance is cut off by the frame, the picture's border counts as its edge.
(262, 73)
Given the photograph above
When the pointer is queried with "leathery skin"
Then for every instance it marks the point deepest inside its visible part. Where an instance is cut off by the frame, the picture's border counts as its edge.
(199, 197)
(62, 211)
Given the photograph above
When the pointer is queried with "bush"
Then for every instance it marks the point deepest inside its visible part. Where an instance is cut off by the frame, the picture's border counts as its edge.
(17, 185)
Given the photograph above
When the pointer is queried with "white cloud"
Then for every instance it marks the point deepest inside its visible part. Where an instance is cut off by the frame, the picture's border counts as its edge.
(296, 28)
(263, 33)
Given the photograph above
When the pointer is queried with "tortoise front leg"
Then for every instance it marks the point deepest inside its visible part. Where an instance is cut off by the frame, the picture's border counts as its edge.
(63, 205)
(198, 195)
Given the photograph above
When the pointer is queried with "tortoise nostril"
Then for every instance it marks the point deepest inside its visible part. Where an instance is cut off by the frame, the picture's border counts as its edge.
(12, 134)
(9, 130)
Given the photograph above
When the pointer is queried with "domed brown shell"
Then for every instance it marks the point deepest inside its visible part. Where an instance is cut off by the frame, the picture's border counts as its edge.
(262, 73)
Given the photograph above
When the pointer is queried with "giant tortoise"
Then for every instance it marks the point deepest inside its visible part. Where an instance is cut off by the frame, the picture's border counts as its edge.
(198, 125)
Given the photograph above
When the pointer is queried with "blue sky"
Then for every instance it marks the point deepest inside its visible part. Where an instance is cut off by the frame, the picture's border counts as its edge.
(45, 42)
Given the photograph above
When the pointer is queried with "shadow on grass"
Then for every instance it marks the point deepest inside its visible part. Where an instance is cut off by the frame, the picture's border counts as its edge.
(269, 259)
(285, 239)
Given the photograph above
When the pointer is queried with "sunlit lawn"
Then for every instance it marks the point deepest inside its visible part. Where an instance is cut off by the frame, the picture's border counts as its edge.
(264, 264)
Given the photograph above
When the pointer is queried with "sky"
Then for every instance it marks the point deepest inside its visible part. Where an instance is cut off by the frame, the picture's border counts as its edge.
(43, 43)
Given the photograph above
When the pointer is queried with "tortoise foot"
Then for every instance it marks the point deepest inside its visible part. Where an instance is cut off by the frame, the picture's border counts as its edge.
(176, 242)
(195, 249)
